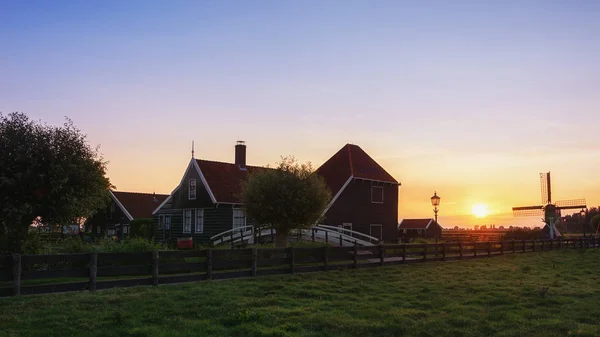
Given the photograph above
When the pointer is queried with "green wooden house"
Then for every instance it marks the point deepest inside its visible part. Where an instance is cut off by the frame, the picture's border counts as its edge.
(206, 202)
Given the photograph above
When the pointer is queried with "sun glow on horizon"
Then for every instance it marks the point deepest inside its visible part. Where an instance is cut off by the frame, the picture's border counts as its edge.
(480, 210)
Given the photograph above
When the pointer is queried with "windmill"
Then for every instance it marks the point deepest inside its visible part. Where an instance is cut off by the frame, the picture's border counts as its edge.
(550, 210)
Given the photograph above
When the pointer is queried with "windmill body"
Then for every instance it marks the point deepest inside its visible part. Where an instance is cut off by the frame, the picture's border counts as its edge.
(548, 209)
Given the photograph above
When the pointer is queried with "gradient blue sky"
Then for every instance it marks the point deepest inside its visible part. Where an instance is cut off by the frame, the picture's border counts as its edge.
(469, 98)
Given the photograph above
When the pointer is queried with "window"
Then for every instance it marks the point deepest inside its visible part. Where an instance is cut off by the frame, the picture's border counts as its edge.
(167, 221)
(192, 189)
(376, 231)
(239, 218)
(377, 194)
(187, 221)
(346, 225)
(199, 221)
(125, 229)
(111, 232)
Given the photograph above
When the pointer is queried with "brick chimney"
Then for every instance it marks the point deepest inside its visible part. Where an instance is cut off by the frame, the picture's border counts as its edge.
(240, 154)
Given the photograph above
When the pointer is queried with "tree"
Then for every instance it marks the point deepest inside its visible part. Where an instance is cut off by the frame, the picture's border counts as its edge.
(291, 196)
(594, 222)
(48, 174)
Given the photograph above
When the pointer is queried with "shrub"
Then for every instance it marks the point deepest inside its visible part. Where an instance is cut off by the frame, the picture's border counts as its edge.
(33, 244)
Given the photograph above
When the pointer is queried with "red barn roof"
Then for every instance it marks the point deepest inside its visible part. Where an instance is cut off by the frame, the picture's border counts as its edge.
(138, 205)
(225, 179)
(352, 162)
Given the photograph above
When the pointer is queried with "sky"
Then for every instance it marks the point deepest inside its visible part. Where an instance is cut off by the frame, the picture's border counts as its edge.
(471, 99)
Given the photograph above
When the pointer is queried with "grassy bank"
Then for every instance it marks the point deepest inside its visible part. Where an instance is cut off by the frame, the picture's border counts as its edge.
(535, 294)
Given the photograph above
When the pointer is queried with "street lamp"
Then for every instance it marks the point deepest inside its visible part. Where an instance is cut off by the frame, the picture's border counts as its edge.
(435, 202)
(582, 214)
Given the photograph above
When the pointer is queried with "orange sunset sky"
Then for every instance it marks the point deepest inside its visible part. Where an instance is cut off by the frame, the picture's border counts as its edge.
(472, 100)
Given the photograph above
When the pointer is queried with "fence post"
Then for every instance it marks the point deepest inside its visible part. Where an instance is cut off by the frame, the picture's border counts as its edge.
(326, 257)
(326, 237)
(551, 244)
(381, 254)
(292, 259)
(209, 264)
(460, 250)
(340, 239)
(155, 268)
(513, 246)
(355, 261)
(313, 234)
(501, 247)
(523, 246)
(93, 271)
(543, 244)
(475, 248)
(443, 251)
(404, 253)
(254, 261)
(533, 245)
(425, 251)
(16, 270)
(489, 248)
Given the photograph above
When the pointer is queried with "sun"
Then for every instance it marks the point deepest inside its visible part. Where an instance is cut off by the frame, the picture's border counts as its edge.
(480, 210)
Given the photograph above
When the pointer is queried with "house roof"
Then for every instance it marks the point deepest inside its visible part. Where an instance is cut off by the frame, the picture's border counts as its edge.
(138, 205)
(352, 161)
(225, 179)
(415, 223)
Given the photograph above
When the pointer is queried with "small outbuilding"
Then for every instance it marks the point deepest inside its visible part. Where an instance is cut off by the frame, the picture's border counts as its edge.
(426, 228)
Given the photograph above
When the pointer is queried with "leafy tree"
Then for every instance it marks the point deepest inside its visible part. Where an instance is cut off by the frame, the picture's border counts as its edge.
(291, 196)
(48, 174)
(594, 222)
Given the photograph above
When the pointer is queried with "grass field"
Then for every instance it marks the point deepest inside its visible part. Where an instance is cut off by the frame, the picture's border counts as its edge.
(534, 294)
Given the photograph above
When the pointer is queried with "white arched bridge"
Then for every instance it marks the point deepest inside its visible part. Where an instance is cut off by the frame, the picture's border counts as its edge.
(335, 236)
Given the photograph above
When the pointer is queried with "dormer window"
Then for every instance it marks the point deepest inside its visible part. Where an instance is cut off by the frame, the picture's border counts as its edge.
(192, 189)
(377, 194)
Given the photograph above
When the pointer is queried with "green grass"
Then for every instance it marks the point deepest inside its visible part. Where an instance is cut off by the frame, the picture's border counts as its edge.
(534, 294)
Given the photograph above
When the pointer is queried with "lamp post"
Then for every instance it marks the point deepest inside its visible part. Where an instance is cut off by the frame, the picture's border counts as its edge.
(435, 202)
(582, 214)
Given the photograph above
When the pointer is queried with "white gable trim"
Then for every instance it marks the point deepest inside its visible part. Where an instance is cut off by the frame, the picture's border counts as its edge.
(337, 195)
(165, 201)
(380, 181)
(121, 206)
(210, 193)
(429, 224)
(176, 188)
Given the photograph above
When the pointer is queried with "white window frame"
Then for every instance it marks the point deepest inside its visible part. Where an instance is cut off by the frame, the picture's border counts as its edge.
(187, 227)
(199, 224)
(346, 225)
(125, 229)
(166, 224)
(380, 230)
(190, 183)
(238, 217)
(111, 230)
(377, 202)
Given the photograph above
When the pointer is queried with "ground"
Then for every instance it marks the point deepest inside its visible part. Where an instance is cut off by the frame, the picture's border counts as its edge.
(534, 294)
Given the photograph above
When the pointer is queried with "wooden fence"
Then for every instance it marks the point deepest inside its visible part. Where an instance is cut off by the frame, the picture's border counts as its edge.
(36, 274)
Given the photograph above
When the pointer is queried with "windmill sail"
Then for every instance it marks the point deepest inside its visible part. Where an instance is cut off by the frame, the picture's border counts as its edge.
(528, 211)
(571, 204)
(545, 184)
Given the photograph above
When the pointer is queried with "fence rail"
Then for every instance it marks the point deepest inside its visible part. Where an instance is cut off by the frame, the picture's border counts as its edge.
(77, 272)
